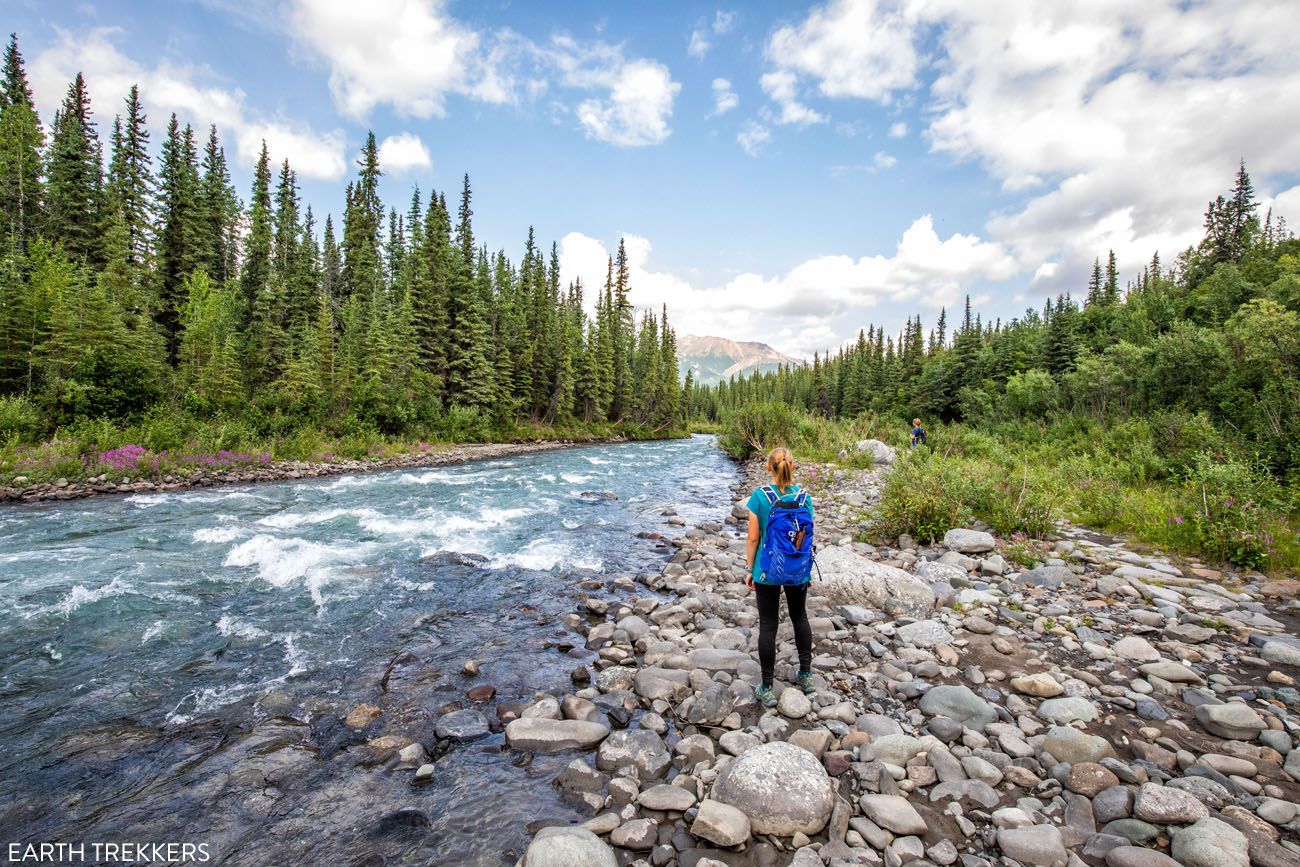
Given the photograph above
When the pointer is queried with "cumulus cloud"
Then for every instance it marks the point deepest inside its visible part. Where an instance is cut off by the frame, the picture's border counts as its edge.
(816, 304)
(185, 90)
(404, 152)
(724, 98)
(897, 130)
(847, 48)
(782, 87)
(752, 137)
(1110, 129)
(638, 107)
(412, 55)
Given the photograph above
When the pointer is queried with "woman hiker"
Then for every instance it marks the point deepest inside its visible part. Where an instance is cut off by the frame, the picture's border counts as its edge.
(768, 587)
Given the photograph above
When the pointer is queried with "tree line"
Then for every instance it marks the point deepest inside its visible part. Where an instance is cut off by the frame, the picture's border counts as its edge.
(133, 288)
(1207, 351)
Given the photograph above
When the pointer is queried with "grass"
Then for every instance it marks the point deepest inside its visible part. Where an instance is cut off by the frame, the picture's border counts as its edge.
(1170, 482)
(178, 444)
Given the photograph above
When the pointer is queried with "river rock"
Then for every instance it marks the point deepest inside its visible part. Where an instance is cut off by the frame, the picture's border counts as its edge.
(880, 452)
(569, 847)
(712, 705)
(462, 725)
(639, 835)
(1210, 843)
(1138, 856)
(1174, 672)
(969, 541)
(780, 787)
(1042, 685)
(1167, 806)
(794, 704)
(1064, 711)
(1281, 652)
(1039, 845)
(1136, 648)
(638, 748)
(895, 749)
(721, 824)
(893, 813)
(551, 735)
(849, 578)
(1233, 720)
(1072, 746)
(960, 704)
(924, 633)
(665, 797)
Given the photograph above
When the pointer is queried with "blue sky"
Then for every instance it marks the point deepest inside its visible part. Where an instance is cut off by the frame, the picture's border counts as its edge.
(783, 172)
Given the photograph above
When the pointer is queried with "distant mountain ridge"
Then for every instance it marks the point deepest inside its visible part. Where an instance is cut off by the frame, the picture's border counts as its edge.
(716, 359)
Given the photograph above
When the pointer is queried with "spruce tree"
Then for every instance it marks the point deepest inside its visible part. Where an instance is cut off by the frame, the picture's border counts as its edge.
(21, 141)
(219, 210)
(74, 208)
(256, 272)
(130, 185)
(180, 233)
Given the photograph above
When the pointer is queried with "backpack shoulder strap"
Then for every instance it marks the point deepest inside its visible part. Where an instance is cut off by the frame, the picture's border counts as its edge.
(770, 494)
(801, 499)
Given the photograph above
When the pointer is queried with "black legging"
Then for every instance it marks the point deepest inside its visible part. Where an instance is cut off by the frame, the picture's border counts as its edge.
(769, 613)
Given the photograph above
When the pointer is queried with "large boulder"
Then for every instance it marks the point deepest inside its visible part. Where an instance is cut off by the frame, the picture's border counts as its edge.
(880, 453)
(569, 847)
(849, 578)
(969, 541)
(781, 788)
(552, 735)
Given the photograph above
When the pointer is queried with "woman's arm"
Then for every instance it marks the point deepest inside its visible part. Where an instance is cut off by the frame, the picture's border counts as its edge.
(751, 549)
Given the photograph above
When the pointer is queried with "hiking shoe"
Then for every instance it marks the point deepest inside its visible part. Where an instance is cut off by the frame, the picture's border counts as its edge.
(805, 682)
(765, 695)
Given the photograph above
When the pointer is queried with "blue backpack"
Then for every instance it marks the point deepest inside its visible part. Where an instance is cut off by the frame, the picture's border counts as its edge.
(787, 556)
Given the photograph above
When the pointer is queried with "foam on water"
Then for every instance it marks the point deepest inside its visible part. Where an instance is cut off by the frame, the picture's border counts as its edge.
(290, 520)
(152, 631)
(80, 596)
(217, 535)
(576, 478)
(544, 555)
(281, 562)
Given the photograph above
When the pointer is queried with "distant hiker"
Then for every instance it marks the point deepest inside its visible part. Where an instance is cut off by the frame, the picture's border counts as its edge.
(918, 433)
(779, 554)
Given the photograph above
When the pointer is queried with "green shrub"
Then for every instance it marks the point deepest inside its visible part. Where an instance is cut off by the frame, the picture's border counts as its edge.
(757, 427)
(1230, 505)
(20, 420)
(923, 496)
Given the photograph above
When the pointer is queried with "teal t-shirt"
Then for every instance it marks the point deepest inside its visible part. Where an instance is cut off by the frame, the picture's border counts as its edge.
(759, 505)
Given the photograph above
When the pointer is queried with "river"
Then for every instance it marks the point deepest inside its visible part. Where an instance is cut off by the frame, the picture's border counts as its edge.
(174, 667)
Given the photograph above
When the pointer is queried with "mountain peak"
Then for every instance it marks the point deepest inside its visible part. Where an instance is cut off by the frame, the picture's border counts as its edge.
(715, 359)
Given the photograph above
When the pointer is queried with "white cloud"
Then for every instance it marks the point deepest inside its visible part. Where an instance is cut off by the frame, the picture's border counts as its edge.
(403, 152)
(637, 110)
(699, 44)
(1113, 123)
(406, 53)
(170, 87)
(816, 304)
(412, 55)
(882, 160)
(848, 48)
(752, 137)
(782, 87)
(701, 38)
(897, 130)
(724, 98)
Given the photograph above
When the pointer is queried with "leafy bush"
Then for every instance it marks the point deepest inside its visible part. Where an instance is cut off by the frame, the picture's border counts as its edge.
(924, 496)
(1229, 507)
(757, 427)
(20, 420)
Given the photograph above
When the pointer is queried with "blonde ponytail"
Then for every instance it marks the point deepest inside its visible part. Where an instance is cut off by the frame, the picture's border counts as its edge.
(780, 463)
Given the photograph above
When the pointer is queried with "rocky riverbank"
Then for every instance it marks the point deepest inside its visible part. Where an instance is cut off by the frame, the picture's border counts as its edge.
(1098, 706)
(19, 490)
